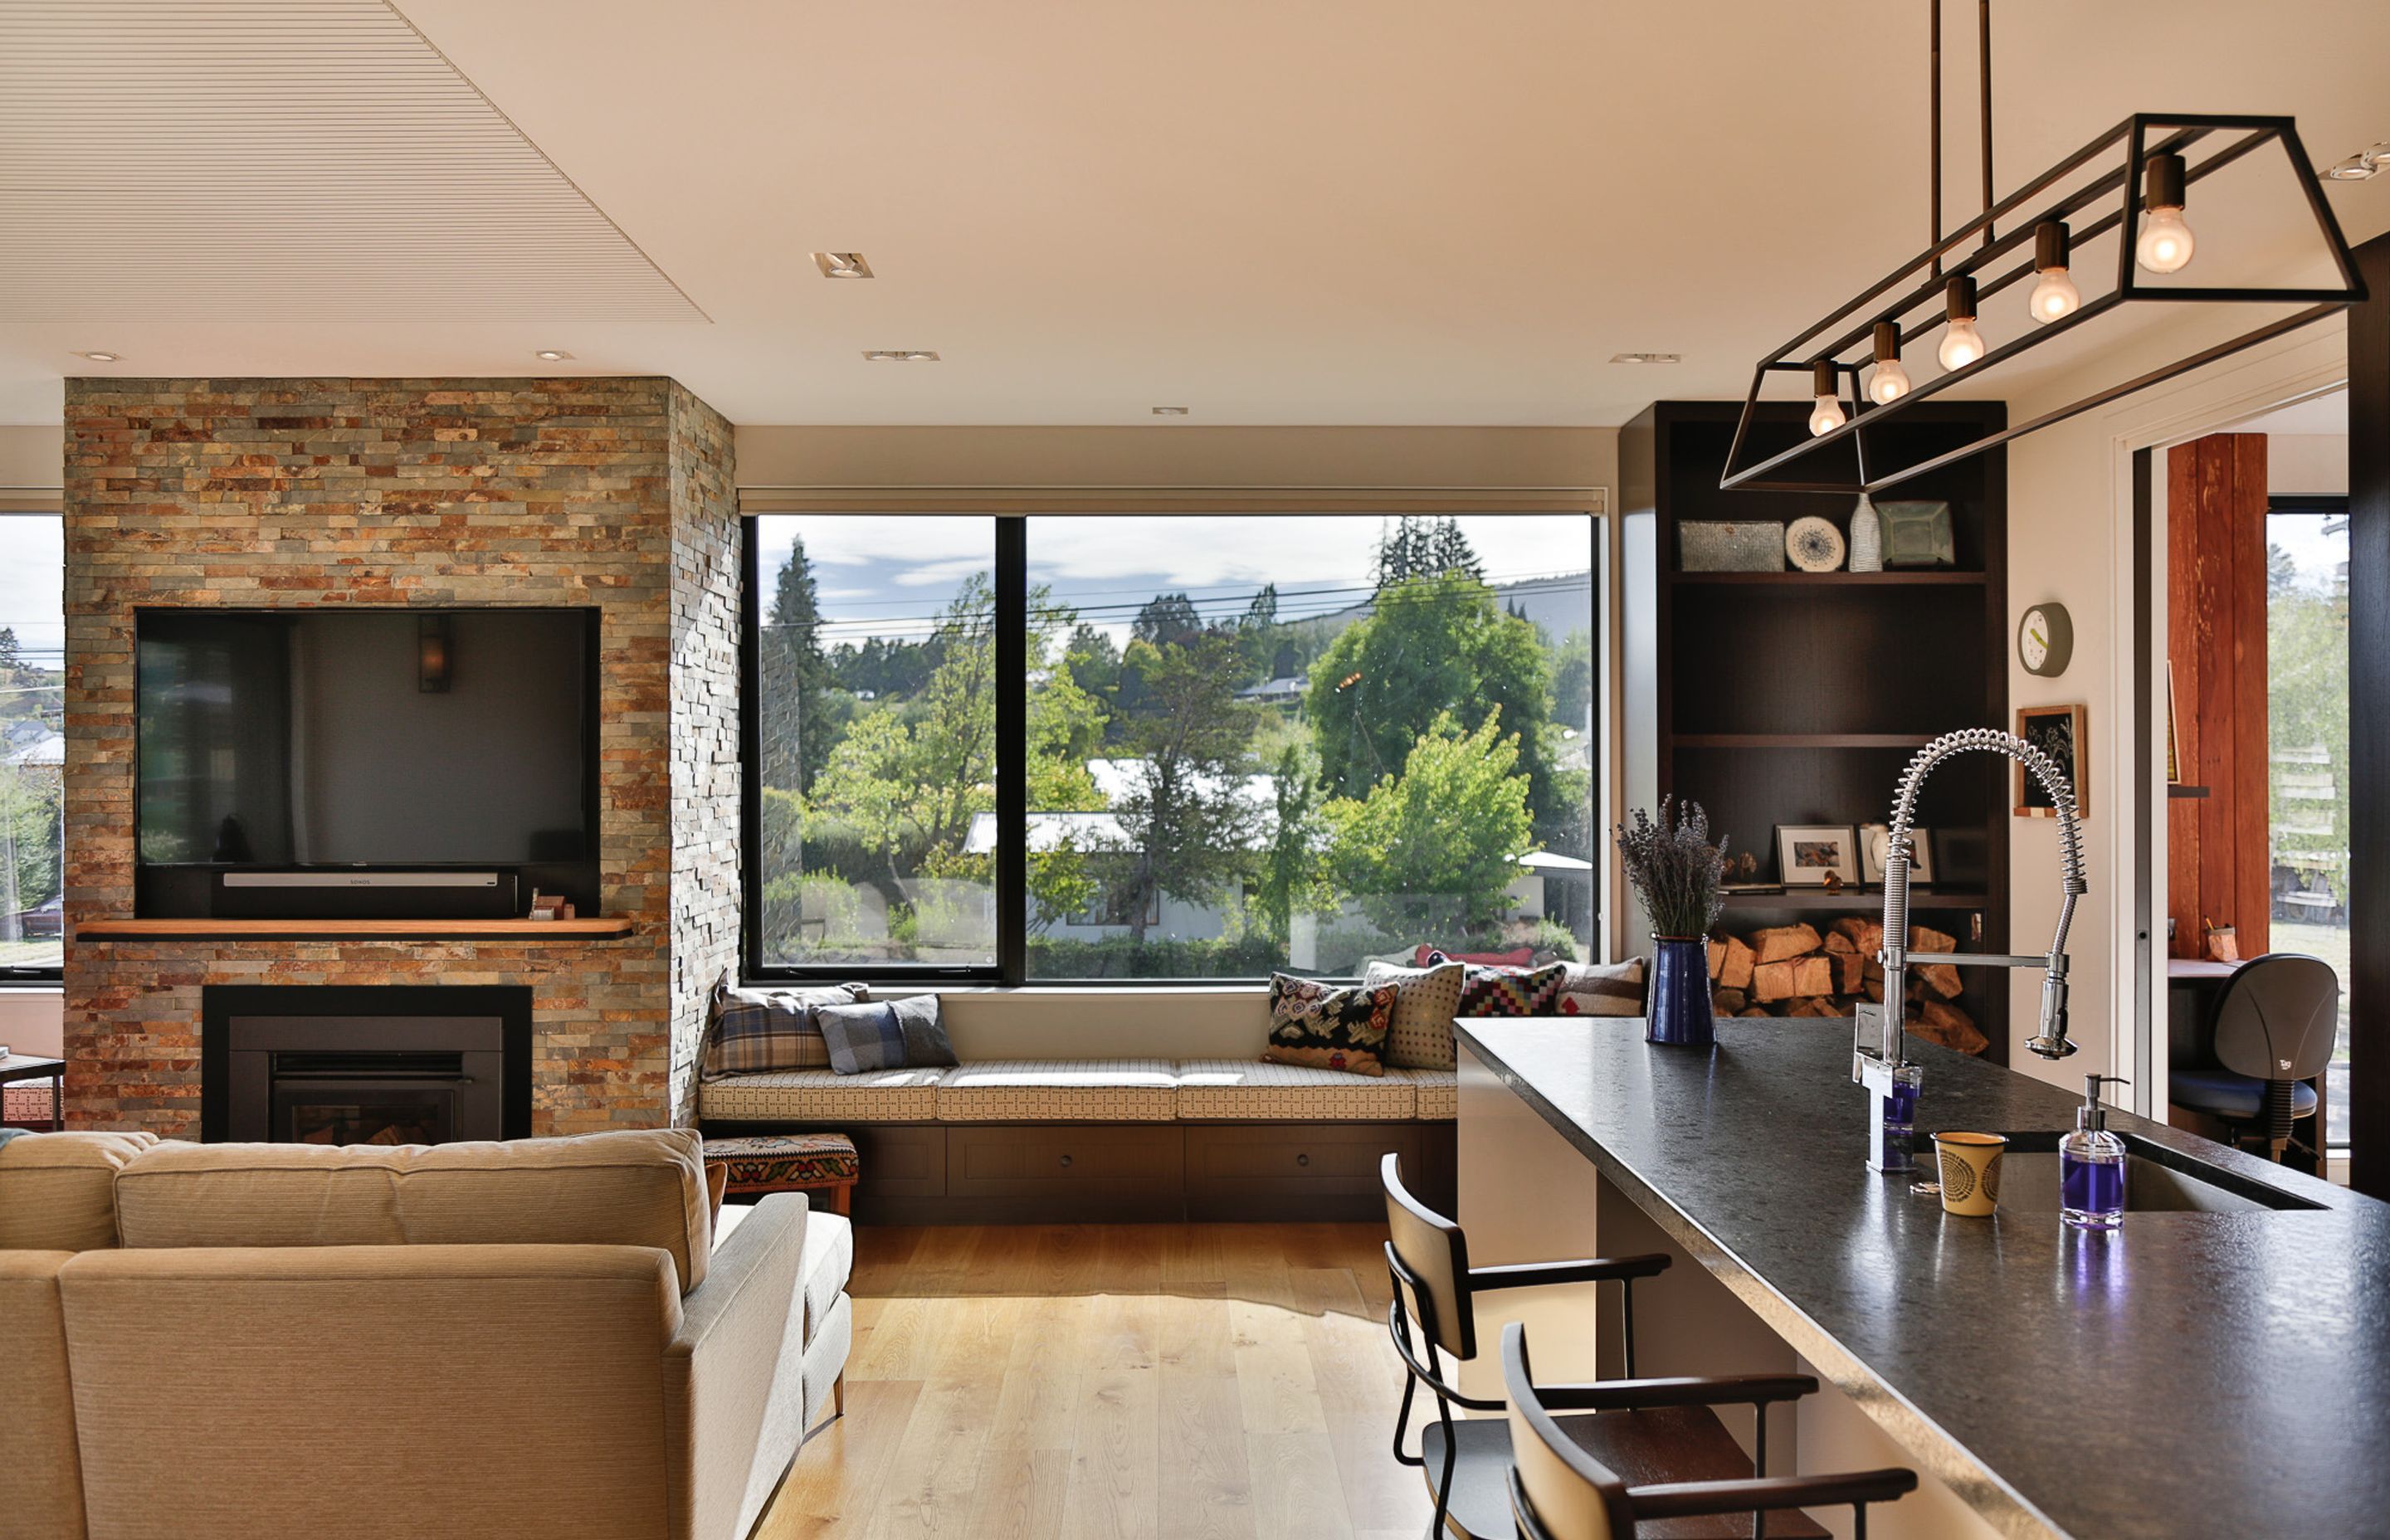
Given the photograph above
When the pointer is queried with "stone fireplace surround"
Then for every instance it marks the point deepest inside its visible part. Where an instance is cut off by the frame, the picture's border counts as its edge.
(613, 493)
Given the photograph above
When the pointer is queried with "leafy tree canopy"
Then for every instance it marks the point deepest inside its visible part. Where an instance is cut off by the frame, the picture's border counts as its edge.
(1448, 830)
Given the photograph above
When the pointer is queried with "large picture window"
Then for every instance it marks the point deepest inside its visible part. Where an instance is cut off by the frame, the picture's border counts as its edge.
(32, 746)
(1111, 746)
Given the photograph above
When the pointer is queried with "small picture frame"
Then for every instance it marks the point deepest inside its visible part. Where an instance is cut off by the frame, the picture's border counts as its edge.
(1817, 855)
(1875, 841)
(2064, 734)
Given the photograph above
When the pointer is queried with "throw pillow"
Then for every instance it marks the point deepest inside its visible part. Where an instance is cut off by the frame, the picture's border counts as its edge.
(1324, 1027)
(907, 1033)
(1510, 991)
(1519, 956)
(755, 1030)
(1426, 999)
(1603, 989)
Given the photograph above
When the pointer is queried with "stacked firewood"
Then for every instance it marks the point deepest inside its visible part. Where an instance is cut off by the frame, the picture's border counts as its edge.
(1792, 970)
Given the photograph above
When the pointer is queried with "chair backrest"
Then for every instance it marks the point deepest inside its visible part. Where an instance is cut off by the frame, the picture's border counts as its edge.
(1558, 1491)
(1431, 1258)
(2277, 1018)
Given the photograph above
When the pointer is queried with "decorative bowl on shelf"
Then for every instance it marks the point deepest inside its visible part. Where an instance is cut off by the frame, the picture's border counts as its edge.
(1918, 535)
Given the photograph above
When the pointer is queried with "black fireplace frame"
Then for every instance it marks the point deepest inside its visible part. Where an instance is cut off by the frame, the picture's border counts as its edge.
(511, 1003)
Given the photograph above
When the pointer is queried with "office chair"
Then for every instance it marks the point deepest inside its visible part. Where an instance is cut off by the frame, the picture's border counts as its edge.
(2247, 1063)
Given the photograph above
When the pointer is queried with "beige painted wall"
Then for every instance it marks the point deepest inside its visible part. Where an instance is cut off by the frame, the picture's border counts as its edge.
(32, 460)
(2310, 465)
(2070, 539)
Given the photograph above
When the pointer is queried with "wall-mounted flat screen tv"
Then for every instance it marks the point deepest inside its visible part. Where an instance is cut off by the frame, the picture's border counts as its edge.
(366, 736)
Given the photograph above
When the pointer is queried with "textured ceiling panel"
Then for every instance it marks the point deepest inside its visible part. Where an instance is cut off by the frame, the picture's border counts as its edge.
(282, 161)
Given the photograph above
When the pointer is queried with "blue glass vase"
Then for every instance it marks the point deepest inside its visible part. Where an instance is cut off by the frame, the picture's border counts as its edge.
(1678, 1009)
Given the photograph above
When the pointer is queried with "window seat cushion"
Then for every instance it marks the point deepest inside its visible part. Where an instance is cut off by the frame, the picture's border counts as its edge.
(1239, 1090)
(1439, 1093)
(821, 1096)
(1035, 1090)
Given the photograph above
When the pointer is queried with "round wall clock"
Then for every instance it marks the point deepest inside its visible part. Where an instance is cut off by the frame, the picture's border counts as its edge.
(2046, 640)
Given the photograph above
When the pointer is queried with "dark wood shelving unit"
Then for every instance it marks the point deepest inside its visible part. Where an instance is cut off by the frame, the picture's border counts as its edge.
(1799, 698)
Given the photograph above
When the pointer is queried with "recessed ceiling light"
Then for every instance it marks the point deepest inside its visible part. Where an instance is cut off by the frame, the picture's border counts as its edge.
(553, 355)
(899, 356)
(98, 357)
(841, 265)
(2363, 166)
(1170, 411)
(1647, 358)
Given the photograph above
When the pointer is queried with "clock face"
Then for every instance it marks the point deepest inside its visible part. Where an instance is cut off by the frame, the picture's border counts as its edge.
(2045, 639)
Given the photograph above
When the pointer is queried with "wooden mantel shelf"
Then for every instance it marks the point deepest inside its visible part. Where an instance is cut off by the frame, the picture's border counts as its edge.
(355, 929)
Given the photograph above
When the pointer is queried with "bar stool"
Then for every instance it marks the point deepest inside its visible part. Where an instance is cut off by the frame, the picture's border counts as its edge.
(1569, 1476)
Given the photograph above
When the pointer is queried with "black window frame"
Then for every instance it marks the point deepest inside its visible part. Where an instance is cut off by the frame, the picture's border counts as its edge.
(1010, 576)
(34, 976)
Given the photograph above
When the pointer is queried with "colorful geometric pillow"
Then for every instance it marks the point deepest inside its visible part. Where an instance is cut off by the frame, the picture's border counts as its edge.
(906, 1033)
(1326, 1028)
(1426, 999)
(1603, 989)
(1511, 991)
(756, 1030)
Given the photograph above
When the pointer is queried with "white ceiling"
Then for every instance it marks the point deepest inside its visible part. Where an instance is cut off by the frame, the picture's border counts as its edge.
(1359, 212)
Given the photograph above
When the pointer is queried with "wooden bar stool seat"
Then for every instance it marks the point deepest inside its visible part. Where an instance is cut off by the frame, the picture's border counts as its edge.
(757, 1163)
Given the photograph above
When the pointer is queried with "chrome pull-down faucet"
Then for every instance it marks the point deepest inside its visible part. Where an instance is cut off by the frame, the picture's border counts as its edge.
(1877, 1068)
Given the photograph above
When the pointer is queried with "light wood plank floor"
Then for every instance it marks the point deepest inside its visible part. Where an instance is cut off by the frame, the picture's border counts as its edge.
(1072, 1382)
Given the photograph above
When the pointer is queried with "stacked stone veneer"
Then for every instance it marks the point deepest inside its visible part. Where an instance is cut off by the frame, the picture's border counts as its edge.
(616, 493)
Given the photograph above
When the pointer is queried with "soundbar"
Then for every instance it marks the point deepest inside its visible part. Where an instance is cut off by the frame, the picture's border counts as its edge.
(364, 893)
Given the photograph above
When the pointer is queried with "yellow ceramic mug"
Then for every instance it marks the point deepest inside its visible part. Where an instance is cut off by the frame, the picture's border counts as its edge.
(1971, 1172)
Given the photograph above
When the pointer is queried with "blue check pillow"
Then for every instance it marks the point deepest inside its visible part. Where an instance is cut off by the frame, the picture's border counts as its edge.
(907, 1033)
(759, 1030)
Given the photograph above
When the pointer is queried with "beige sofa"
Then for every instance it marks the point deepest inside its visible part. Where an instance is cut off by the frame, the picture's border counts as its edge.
(544, 1338)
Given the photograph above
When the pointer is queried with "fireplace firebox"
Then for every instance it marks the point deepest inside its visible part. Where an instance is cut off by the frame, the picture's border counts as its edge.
(403, 1064)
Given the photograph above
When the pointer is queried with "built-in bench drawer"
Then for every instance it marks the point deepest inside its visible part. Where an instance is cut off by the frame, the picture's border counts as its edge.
(902, 1160)
(1096, 1170)
(1263, 1171)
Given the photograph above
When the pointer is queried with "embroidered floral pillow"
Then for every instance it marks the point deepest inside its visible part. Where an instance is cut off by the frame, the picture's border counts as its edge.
(1327, 1027)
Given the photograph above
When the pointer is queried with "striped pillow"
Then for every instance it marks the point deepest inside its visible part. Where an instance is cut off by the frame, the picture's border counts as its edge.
(759, 1030)
(1603, 989)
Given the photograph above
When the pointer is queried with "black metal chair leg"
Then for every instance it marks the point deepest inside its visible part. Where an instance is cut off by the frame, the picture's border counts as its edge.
(1403, 1422)
(1451, 1459)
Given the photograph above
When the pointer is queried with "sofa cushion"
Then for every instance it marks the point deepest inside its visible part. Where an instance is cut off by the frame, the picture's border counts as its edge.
(1439, 1093)
(57, 1190)
(886, 1034)
(1426, 999)
(828, 1262)
(630, 1187)
(1083, 1090)
(41, 1478)
(757, 1030)
(821, 1095)
(1242, 1091)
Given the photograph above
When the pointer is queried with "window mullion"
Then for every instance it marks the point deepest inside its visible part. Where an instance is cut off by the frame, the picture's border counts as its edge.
(1012, 749)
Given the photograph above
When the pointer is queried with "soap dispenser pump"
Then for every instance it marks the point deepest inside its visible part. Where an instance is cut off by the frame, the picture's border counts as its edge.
(2092, 1165)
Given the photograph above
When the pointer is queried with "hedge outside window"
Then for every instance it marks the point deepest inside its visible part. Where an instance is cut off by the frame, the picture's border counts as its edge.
(1197, 747)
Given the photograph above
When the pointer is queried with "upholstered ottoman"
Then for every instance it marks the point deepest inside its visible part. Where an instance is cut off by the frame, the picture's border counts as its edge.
(789, 1162)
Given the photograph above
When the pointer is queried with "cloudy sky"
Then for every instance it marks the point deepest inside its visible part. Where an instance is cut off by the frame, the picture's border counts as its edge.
(33, 556)
(888, 576)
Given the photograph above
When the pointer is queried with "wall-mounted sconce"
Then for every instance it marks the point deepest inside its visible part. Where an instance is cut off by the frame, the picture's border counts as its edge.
(434, 655)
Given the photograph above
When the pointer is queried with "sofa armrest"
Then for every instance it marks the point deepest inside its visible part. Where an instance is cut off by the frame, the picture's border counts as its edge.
(734, 1393)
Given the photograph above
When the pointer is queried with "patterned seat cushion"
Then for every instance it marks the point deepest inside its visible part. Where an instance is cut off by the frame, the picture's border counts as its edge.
(1035, 1090)
(26, 1102)
(1439, 1093)
(821, 1095)
(763, 1162)
(1239, 1090)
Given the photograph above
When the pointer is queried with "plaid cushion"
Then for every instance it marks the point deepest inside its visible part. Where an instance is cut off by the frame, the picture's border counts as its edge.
(1603, 989)
(1511, 991)
(885, 1034)
(1325, 1028)
(756, 1030)
(758, 1162)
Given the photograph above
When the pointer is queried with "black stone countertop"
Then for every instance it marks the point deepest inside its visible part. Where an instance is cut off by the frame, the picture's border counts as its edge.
(2198, 1374)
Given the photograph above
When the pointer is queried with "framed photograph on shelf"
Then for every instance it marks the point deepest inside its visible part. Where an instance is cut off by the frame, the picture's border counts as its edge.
(1875, 844)
(1808, 854)
(2064, 734)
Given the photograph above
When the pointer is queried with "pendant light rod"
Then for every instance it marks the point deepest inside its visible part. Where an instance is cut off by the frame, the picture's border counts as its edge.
(1934, 132)
(1983, 98)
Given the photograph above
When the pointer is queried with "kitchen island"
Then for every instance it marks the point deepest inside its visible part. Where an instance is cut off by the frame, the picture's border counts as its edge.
(2199, 1373)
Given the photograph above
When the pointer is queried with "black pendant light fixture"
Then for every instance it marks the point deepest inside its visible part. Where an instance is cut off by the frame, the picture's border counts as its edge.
(2137, 180)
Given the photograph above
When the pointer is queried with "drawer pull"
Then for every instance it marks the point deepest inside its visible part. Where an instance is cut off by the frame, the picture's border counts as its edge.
(1066, 1161)
(1303, 1160)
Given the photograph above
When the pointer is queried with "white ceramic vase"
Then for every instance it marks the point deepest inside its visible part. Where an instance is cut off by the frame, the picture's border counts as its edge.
(1867, 537)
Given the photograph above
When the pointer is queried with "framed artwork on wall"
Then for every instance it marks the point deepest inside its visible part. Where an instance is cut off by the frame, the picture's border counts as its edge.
(1808, 854)
(2064, 734)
